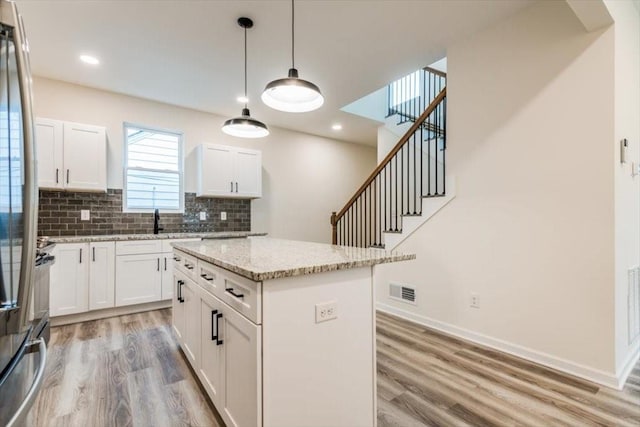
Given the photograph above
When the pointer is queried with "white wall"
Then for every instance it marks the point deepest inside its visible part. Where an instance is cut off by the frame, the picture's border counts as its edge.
(627, 189)
(305, 177)
(530, 125)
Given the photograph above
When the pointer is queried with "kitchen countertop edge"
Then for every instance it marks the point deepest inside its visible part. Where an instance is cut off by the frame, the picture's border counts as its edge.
(162, 236)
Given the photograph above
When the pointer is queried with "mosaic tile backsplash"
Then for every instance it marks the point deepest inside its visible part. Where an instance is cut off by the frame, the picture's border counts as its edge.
(59, 215)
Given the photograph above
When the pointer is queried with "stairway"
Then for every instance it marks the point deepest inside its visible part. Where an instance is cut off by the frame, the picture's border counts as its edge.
(410, 184)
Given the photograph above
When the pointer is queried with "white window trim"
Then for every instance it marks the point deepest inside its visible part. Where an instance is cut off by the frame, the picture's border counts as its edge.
(125, 167)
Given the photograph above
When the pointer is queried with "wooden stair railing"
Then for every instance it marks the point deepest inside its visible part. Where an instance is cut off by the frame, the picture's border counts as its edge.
(397, 185)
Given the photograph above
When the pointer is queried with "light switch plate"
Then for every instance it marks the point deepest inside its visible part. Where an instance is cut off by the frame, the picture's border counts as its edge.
(223, 216)
(85, 215)
(203, 216)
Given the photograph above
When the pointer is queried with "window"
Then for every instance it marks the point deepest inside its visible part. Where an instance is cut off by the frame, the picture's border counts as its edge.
(153, 170)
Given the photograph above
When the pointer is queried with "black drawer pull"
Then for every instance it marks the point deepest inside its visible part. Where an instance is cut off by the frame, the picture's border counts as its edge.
(189, 266)
(180, 283)
(209, 279)
(175, 258)
(230, 290)
(214, 335)
(218, 340)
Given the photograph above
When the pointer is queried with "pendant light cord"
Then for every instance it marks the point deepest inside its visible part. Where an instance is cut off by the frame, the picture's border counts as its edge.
(245, 67)
(293, 38)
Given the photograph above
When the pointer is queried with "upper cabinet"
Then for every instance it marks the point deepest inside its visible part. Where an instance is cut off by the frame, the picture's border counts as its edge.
(71, 156)
(225, 171)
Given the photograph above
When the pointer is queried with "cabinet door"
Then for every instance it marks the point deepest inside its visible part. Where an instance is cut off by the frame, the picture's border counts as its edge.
(247, 169)
(166, 264)
(210, 351)
(215, 171)
(241, 403)
(178, 306)
(49, 151)
(191, 333)
(69, 279)
(138, 279)
(102, 268)
(85, 157)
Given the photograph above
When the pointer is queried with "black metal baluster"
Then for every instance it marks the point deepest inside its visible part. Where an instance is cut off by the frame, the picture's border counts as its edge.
(437, 150)
(396, 185)
(365, 219)
(444, 143)
(421, 174)
(385, 198)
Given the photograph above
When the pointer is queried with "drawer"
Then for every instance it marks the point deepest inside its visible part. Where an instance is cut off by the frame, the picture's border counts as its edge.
(209, 278)
(135, 247)
(187, 264)
(166, 244)
(242, 294)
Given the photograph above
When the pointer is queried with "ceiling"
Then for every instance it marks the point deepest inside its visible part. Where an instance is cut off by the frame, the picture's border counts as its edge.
(189, 53)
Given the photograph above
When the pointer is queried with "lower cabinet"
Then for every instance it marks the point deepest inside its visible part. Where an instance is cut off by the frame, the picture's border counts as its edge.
(225, 350)
(138, 279)
(82, 278)
(69, 279)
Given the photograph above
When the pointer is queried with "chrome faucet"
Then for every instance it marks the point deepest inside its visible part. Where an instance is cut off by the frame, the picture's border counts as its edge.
(156, 221)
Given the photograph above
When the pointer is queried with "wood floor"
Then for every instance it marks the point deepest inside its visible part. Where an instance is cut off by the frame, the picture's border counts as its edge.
(128, 370)
(427, 378)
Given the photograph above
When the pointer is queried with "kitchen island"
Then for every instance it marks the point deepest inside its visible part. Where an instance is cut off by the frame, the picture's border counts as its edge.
(279, 332)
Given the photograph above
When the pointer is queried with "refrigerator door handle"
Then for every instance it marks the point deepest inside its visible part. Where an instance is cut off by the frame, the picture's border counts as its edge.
(30, 195)
(27, 403)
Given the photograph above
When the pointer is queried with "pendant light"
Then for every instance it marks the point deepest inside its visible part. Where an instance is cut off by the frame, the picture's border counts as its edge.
(292, 94)
(245, 126)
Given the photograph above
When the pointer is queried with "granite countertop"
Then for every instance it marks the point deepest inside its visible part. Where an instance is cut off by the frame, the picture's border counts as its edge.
(265, 258)
(161, 236)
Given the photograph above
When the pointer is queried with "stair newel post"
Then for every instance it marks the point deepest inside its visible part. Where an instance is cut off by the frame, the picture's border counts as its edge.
(334, 229)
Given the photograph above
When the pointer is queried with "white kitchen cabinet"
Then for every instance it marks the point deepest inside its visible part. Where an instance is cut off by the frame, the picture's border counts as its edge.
(71, 156)
(225, 171)
(191, 334)
(241, 367)
(69, 279)
(138, 279)
(101, 275)
(210, 348)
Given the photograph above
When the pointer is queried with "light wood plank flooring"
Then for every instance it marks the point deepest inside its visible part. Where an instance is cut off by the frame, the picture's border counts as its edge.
(121, 371)
(128, 370)
(428, 378)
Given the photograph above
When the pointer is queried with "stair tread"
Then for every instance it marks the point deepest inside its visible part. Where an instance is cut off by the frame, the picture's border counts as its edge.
(392, 231)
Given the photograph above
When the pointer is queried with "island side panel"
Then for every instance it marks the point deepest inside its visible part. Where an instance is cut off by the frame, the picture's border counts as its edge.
(319, 374)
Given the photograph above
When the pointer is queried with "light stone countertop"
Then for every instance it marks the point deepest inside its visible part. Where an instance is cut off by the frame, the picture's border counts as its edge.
(160, 236)
(265, 258)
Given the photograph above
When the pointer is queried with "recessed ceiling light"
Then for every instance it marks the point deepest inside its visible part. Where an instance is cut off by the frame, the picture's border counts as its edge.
(336, 126)
(242, 99)
(88, 59)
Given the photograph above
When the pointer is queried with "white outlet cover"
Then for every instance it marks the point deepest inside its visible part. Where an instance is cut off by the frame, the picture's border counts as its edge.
(223, 216)
(203, 216)
(326, 311)
(85, 215)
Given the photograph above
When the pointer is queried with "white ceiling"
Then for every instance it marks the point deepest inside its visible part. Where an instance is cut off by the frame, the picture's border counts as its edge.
(189, 53)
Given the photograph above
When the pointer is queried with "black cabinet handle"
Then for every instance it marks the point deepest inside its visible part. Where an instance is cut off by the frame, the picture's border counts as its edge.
(209, 279)
(214, 335)
(231, 186)
(67, 176)
(158, 267)
(218, 340)
(236, 187)
(175, 258)
(80, 255)
(57, 174)
(180, 283)
(94, 254)
(165, 263)
(230, 290)
(189, 266)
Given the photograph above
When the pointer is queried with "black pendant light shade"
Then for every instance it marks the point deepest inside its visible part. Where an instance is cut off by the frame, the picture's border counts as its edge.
(245, 126)
(292, 94)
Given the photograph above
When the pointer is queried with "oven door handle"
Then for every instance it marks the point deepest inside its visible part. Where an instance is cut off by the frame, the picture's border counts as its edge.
(27, 403)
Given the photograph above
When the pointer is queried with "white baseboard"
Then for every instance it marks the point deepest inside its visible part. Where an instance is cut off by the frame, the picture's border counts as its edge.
(627, 366)
(569, 367)
(108, 312)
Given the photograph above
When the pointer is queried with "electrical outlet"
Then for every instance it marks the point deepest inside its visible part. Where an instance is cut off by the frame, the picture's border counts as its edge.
(85, 215)
(475, 301)
(203, 216)
(326, 311)
(223, 216)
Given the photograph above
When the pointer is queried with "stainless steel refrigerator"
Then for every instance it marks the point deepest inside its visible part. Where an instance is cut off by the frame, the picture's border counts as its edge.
(22, 326)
